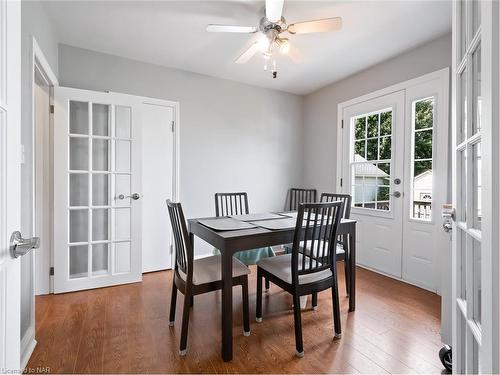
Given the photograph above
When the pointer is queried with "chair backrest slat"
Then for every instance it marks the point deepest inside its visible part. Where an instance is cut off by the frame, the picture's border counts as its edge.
(334, 197)
(316, 229)
(298, 196)
(227, 204)
(183, 246)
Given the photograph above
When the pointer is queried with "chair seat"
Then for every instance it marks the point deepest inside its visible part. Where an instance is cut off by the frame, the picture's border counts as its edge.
(208, 270)
(307, 250)
(281, 267)
(340, 247)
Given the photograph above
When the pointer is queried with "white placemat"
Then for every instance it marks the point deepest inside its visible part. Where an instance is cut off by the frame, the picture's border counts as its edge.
(261, 216)
(225, 223)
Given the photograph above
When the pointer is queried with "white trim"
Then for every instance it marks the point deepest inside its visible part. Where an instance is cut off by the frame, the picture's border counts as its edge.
(28, 344)
(39, 62)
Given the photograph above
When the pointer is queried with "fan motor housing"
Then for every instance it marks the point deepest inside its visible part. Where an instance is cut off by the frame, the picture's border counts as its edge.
(265, 25)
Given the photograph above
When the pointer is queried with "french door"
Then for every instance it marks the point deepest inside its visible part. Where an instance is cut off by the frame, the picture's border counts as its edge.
(394, 164)
(476, 46)
(97, 185)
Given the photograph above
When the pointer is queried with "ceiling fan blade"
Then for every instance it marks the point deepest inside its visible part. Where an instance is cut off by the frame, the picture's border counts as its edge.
(231, 29)
(317, 26)
(249, 53)
(274, 9)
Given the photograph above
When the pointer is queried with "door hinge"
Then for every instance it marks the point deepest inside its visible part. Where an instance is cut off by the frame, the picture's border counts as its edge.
(51, 108)
(342, 124)
(51, 271)
(341, 182)
(173, 126)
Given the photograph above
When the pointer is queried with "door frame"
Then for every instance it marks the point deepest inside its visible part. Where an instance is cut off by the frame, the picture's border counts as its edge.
(38, 62)
(444, 76)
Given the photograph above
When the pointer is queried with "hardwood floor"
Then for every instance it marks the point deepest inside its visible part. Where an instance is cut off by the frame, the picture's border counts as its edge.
(124, 329)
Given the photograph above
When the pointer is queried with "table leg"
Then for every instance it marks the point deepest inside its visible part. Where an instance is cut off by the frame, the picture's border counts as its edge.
(352, 265)
(227, 305)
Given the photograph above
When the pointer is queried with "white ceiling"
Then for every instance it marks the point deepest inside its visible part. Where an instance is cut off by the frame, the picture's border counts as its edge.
(172, 34)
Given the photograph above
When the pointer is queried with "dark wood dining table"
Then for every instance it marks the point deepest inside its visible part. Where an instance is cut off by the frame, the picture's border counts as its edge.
(232, 241)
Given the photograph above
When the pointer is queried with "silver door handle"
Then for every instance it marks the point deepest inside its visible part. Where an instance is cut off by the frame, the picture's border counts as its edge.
(396, 194)
(20, 246)
(134, 196)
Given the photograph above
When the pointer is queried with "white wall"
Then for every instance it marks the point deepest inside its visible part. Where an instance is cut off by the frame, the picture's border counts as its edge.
(320, 107)
(233, 137)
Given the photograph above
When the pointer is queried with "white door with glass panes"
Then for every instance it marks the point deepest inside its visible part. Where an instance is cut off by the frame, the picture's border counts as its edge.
(394, 163)
(374, 132)
(97, 187)
(476, 52)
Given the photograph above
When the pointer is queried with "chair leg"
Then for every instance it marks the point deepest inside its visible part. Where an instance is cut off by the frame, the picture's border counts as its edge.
(346, 264)
(191, 301)
(315, 301)
(258, 309)
(267, 284)
(336, 310)
(299, 349)
(185, 324)
(246, 314)
(173, 301)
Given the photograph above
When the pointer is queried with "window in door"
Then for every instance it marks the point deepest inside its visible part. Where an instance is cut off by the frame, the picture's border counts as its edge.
(371, 162)
(421, 159)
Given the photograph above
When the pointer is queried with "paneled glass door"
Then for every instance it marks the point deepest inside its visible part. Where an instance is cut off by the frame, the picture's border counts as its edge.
(96, 188)
(475, 245)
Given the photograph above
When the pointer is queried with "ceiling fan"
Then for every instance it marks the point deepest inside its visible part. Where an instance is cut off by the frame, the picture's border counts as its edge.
(271, 27)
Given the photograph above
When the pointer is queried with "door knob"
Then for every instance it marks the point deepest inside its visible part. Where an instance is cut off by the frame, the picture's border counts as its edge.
(20, 246)
(396, 194)
(134, 196)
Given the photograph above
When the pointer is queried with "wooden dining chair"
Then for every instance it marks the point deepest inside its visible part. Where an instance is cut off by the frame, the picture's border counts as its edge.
(227, 204)
(301, 275)
(297, 196)
(193, 277)
(343, 241)
(294, 198)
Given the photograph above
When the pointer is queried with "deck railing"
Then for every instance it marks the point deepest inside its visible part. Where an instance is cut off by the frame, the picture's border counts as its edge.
(422, 210)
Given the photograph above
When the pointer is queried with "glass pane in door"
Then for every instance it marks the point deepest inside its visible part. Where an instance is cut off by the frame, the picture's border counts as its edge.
(78, 117)
(422, 155)
(476, 277)
(100, 256)
(78, 261)
(123, 122)
(371, 167)
(477, 186)
(476, 91)
(100, 119)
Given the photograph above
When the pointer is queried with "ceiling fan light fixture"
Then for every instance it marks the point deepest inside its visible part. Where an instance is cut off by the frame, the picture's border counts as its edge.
(284, 45)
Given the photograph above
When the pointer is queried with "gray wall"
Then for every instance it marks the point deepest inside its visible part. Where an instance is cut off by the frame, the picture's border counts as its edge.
(320, 107)
(234, 137)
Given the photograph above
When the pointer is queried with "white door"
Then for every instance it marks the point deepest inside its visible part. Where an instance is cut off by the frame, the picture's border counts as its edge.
(425, 244)
(157, 169)
(97, 189)
(374, 131)
(476, 52)
(10, 183)
(395, 165)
